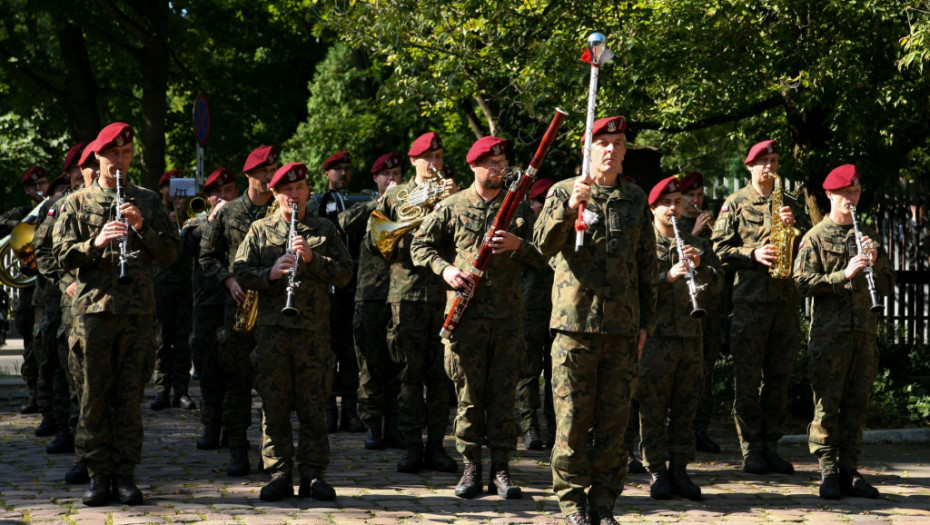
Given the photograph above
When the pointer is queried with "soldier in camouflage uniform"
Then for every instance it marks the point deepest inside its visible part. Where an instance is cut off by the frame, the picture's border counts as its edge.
(537, 300)
(114, 322)
(764, 334)
(293, 363)
(670, 370)
(842, 346)
(416, 297)
(700, 224)
(209, 300)
(221, 239)
(603, 308)
(378, 374)
(484, 356)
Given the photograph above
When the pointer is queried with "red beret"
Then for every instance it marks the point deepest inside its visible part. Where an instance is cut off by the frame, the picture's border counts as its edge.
(88, 155)
(669, 185)
(841, 177)
(762, 148)
(33, 174)
(219, 177)
(290, 172)
(339, 157)
(259, 157)
(486, 146)
(167, 176)
(607, 125)
(540, 188)
(385, 162)
(426, 142)
(73, 154)
(63, 179)
(115, 134)
(691, 181)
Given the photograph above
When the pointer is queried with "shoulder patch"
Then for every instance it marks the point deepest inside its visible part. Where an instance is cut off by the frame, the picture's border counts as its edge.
(437, 207)
(726, 207)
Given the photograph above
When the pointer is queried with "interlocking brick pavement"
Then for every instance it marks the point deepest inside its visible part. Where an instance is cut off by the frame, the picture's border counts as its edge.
(185, 485)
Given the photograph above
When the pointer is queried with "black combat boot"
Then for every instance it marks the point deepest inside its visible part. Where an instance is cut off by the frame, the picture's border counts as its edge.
(314, 486)
(47, 427)
(435, 458)
(531, 439)
(633, 465)
(703, 442)
(830, 484)
(126, 491)
(776, 464)
(853, 484)
(393, 437)
(681, 483)
(239, 462)
(602, 516)
(412, 462)
(160, 402)
(30, 407)
(77, 474)
(373, 439)
(754, 463)
(577, 518)
(501, 482)
(470, 484)
(210, 440)
(280, 487)
(660, 487)
(184, 401)
(99, 491)
(62, 444)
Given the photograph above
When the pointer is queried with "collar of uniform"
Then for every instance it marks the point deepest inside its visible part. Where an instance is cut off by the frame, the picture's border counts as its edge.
(757, 198)
(609, 192)
(475, 200)
(249, 205)
(280, 224)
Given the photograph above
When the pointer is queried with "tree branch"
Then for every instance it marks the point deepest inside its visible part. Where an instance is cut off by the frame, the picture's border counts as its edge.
(471, 118)
(488, 114)
(134, 52)
(128, 23)
(18, 68)
(754, 109)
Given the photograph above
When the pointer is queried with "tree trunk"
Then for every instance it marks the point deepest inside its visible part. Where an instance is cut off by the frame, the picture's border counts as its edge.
(79, 98)
(154, 92)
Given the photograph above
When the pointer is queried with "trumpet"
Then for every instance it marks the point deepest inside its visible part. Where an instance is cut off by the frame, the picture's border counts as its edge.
(693, 288)
(877, 305)
(292, 283)
(124, 253)
(707, 227)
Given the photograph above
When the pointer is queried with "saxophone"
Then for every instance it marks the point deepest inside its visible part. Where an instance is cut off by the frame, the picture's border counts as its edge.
(247, 311)
(783, 236)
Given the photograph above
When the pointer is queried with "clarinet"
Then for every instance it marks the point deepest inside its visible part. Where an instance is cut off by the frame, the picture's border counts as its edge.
(292, 283)
(124, 253)
(877, 305)
(693, 289)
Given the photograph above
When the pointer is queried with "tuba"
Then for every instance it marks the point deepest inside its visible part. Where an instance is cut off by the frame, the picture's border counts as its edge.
(247, 311)
(783, 235)
(18, 266)
(411, 210)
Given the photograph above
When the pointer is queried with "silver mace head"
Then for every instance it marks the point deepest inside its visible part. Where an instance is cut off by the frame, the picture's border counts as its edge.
(597, 44)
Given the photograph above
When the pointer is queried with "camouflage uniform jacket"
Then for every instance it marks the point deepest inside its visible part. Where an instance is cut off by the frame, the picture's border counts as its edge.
(610, 286)
(673, 314)
(408, 283)
(84, 215)
(744, 224)
(838, 305)
(48, 266)
(374, 272)
(454, 232)
(12, 217)
(178, 273)
(207, 292)
(222, 236)
(50, 261)
(537, 289)
(266, 243)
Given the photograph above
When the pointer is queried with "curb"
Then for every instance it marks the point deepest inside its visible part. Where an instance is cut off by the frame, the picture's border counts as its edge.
(871, 437)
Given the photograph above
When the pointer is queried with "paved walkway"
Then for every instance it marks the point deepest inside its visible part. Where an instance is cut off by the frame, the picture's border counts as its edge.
(185, 485)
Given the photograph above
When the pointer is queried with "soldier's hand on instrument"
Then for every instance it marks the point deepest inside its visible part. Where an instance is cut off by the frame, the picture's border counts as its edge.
(504, 241)
(449, 186)
(456, 278)
(869, 247)
(110, 232)
(703, 221)
(282, 266)
(235, 291)
(71, 289)
(692, 254)
(766, 254)
(302, 248)
(132, 214)
(677, 271)
(856, 264)
(786, 215)
(581, 192)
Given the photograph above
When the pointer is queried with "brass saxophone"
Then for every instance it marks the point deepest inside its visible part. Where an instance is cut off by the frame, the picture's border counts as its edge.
(783, 236)
(247, 311)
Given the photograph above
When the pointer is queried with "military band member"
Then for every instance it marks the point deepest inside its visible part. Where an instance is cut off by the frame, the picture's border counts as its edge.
(210, 297)
(700, 222)
(221, 239)
(114, 322)
(484, 356)
(603, 308)
(379, 381)
(670, 371)
(293, 362)
(764, 334)
(416, 297)
(843, 343)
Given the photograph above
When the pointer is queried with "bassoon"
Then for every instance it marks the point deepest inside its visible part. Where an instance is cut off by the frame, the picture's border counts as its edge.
(502, 220)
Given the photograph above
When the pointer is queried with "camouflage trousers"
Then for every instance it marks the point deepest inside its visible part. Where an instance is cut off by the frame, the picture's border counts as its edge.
(119, 357)
(293, 372)
(207, 320)
(668, 388)
(44, 369)
(378, 374)
(25, 320)
(53, 377)
(764, 340)
(483, 360)
(72, 362)
(414, 343)
(842, 370)
(236, 366)
(341, 309)
(538, 361)
(712, 328)
(173, 356)
(592, 377)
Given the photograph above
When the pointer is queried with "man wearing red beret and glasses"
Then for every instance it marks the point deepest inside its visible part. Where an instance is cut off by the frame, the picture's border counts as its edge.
(846, 276)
